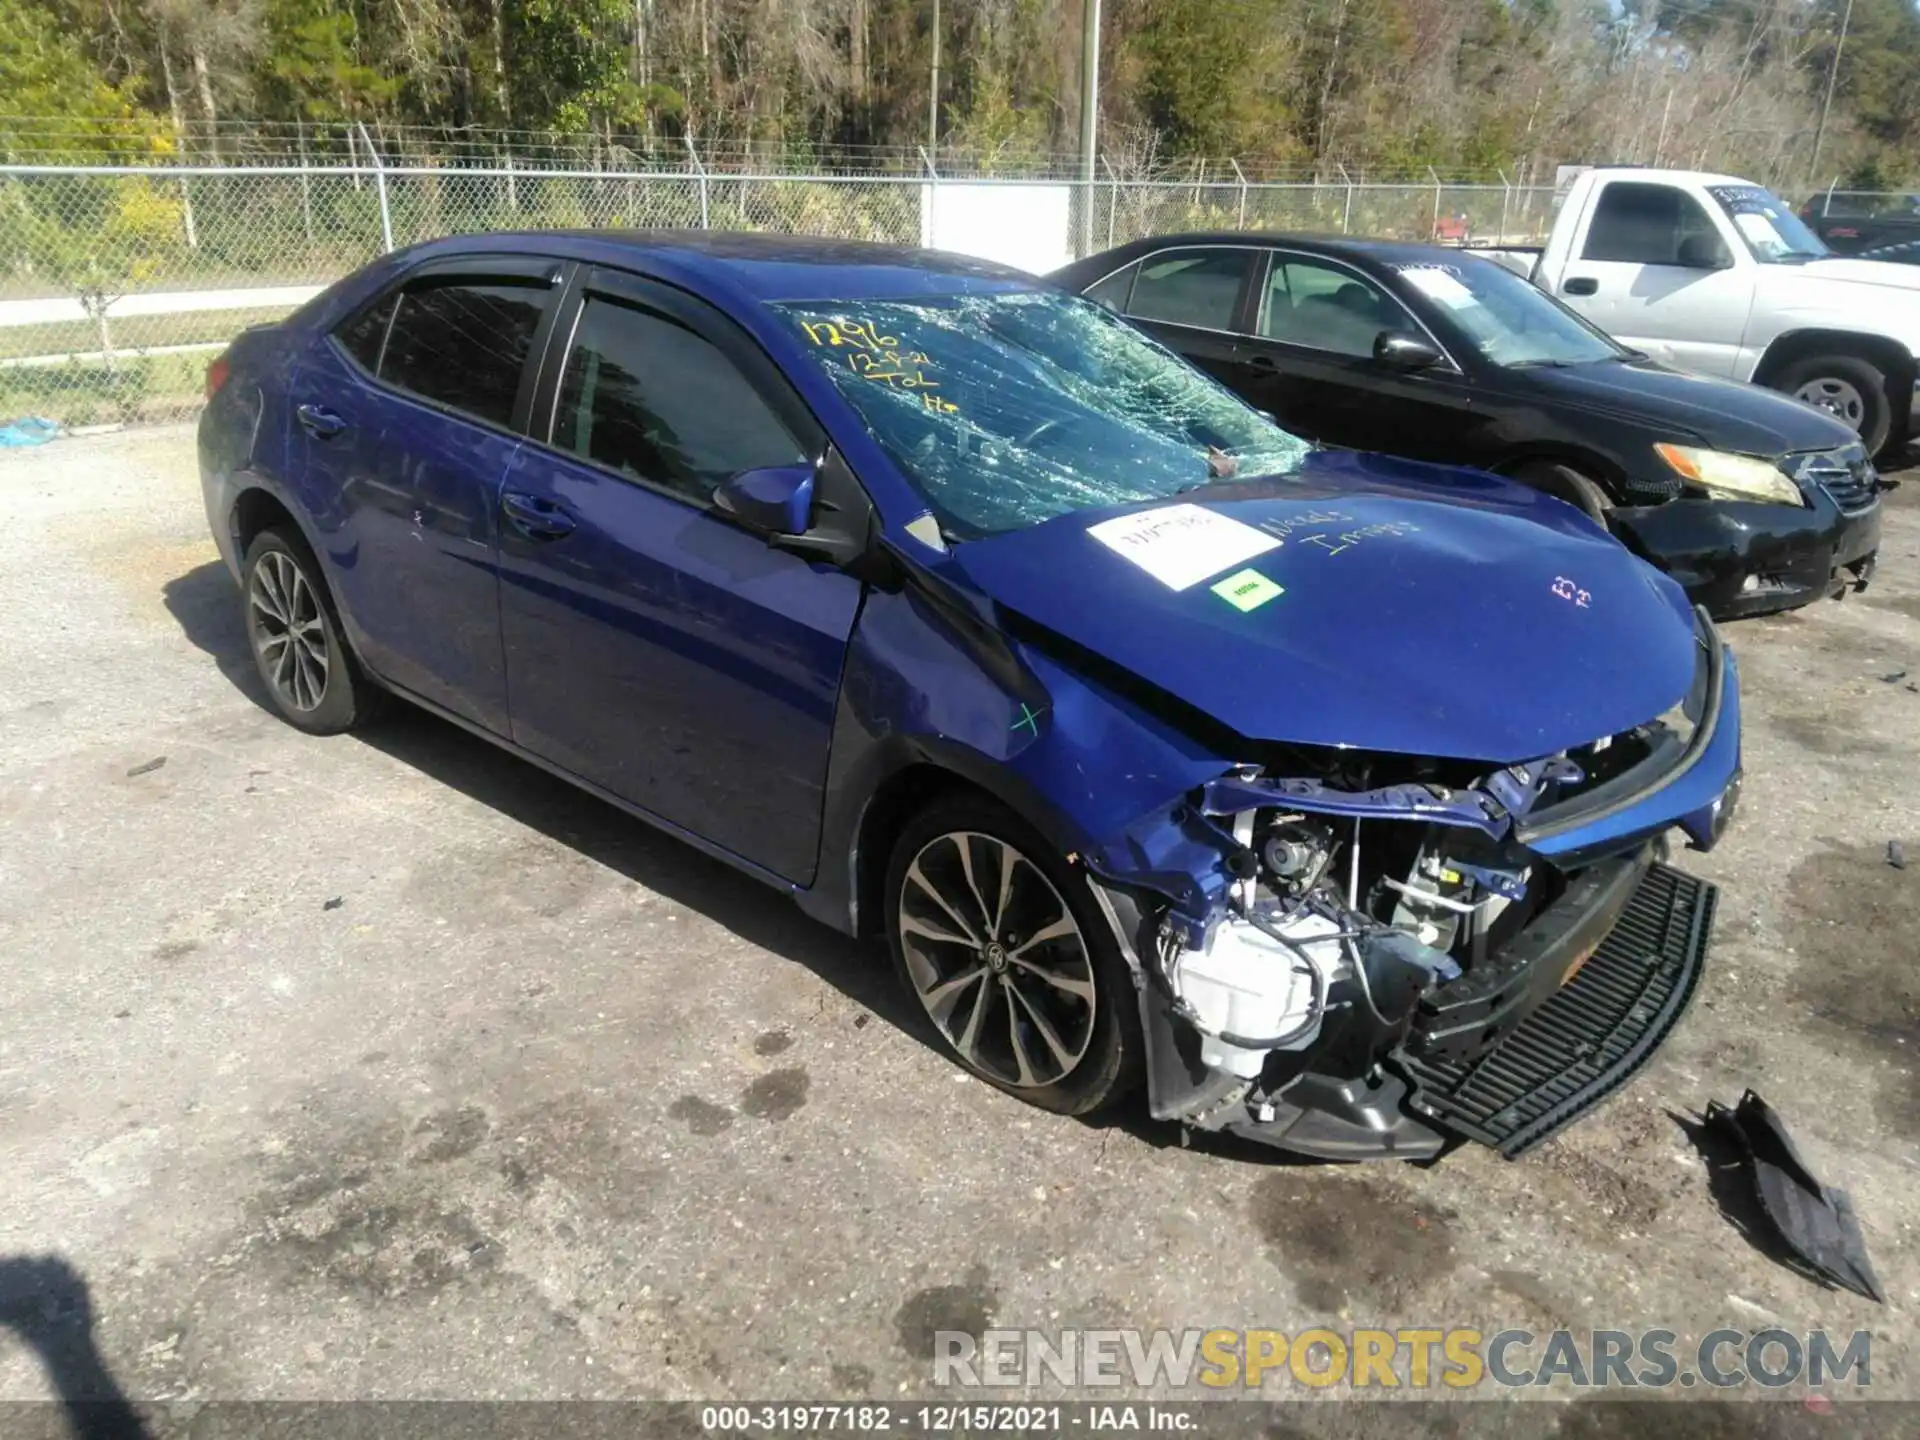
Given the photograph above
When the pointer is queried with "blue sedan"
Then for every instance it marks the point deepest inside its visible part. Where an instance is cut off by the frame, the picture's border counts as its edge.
(1325, 796)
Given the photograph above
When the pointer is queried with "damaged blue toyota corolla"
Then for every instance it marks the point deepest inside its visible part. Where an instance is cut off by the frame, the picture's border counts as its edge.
(1326, 794)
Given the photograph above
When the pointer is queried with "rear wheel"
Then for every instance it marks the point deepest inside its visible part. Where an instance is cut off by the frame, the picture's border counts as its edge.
(1001, 944)
(298, 649)
(1563, 482)
(1846, 387)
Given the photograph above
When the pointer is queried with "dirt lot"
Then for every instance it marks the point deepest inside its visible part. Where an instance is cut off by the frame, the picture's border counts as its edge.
(393, 1067)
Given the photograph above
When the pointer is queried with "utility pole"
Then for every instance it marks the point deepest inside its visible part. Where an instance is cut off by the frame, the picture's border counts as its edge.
(1090, 119)
(1833, 73)
(933, 88)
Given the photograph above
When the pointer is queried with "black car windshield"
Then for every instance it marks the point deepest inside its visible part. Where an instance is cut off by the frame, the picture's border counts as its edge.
(1774, 234)
(1008, 409)
(1508, 320)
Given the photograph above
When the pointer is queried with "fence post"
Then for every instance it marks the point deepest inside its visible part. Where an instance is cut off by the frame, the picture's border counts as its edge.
(380, 187)
(186, 215)
(929, 230)
(701, 170)
(1113, 196)
(306, 183)
(1346, 215)
(513, 190)
(1241, 176)
(1506, 199)
(1433, 231)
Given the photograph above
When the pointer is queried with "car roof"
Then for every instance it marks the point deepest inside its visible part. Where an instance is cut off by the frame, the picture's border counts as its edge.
(1379, 253)
(756, 265)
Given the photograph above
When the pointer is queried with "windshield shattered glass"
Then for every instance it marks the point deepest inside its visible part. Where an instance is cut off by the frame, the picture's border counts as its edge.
(1774, 234)
(1006, 410)
(1508, 320)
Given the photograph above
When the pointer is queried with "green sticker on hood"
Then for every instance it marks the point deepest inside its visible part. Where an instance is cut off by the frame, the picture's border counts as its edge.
(1247, 590)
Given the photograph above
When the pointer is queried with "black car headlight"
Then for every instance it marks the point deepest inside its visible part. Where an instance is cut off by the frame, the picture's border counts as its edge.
(1730, 477)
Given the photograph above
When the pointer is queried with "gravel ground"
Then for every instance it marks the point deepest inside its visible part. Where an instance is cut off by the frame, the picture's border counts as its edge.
(392, 1067)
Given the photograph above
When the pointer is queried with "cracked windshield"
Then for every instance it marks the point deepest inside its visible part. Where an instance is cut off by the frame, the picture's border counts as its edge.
(1006, 410)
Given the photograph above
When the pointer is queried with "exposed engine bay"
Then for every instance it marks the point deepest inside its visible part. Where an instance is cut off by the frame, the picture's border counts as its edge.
(1327, 914)
(1377, 937)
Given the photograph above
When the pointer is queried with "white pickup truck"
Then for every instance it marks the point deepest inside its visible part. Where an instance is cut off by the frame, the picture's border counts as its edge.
(1717, 275)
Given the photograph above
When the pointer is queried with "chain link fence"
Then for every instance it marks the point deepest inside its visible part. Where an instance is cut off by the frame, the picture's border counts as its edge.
(118, 283)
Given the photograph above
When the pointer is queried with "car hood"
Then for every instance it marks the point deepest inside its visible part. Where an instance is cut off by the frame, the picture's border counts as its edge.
(1726, 415)
(1421, 610)
(1867, 295)
(1849, 270)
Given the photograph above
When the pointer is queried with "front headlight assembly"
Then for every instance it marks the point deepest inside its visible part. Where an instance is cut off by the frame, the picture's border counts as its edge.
(1730, 477)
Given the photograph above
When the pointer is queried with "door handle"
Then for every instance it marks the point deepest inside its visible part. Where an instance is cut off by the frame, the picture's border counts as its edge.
(1580, 285)
(1265, 364)
(534, 517)
(319, 422)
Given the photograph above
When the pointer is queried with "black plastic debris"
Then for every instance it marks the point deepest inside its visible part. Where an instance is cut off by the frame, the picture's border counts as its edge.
(1894, 679)
(334, 904)
(1896, 855)
(148, 767)
(1816, 1223)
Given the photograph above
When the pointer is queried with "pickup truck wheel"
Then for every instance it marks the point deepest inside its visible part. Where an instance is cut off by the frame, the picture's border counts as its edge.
(1847, 387)
(1001, 943)
(1563, 482)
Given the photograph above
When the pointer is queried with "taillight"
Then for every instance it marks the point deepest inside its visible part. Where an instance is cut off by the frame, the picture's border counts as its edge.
(217, 374)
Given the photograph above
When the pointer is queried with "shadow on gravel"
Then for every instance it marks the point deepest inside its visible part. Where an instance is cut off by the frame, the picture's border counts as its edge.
(205, 603)
(45, 1301)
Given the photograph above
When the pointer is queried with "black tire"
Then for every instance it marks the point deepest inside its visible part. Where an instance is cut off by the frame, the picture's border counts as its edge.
(319, 688)
(1563, 482)
(1847, 387)
(1108, 1065)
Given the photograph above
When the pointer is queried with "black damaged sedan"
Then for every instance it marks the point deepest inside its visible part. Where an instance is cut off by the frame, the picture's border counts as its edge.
(1752, 501)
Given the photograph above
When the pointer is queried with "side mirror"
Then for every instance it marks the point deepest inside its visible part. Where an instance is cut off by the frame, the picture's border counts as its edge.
(777, 500)
(1704, 252)
(1397, 350)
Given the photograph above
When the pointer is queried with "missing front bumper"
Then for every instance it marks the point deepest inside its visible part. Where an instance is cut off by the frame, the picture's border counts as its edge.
(1592, 1037)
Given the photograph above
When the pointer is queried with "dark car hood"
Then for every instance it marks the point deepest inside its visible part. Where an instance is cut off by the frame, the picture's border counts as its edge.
(1425, 611)
(1723, 413)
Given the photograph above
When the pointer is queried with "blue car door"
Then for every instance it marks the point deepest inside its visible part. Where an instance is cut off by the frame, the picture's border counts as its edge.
(408, 416)
(654, 647)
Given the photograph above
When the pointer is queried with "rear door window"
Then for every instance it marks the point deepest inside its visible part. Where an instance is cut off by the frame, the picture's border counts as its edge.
(365, 335)
(1198, 287)
(461, 342)
(644, 395)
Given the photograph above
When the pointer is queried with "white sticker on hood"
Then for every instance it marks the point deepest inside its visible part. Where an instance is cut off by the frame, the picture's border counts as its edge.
(1181, 545)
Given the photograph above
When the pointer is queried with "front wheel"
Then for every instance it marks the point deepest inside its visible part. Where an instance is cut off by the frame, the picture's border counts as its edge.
(1846, 387)
(1000, 942)
(298, 649)
(1563, 482)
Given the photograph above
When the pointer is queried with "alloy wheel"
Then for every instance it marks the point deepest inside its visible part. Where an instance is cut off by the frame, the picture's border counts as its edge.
(1836, 396)
(283, 613)
(997, 959)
